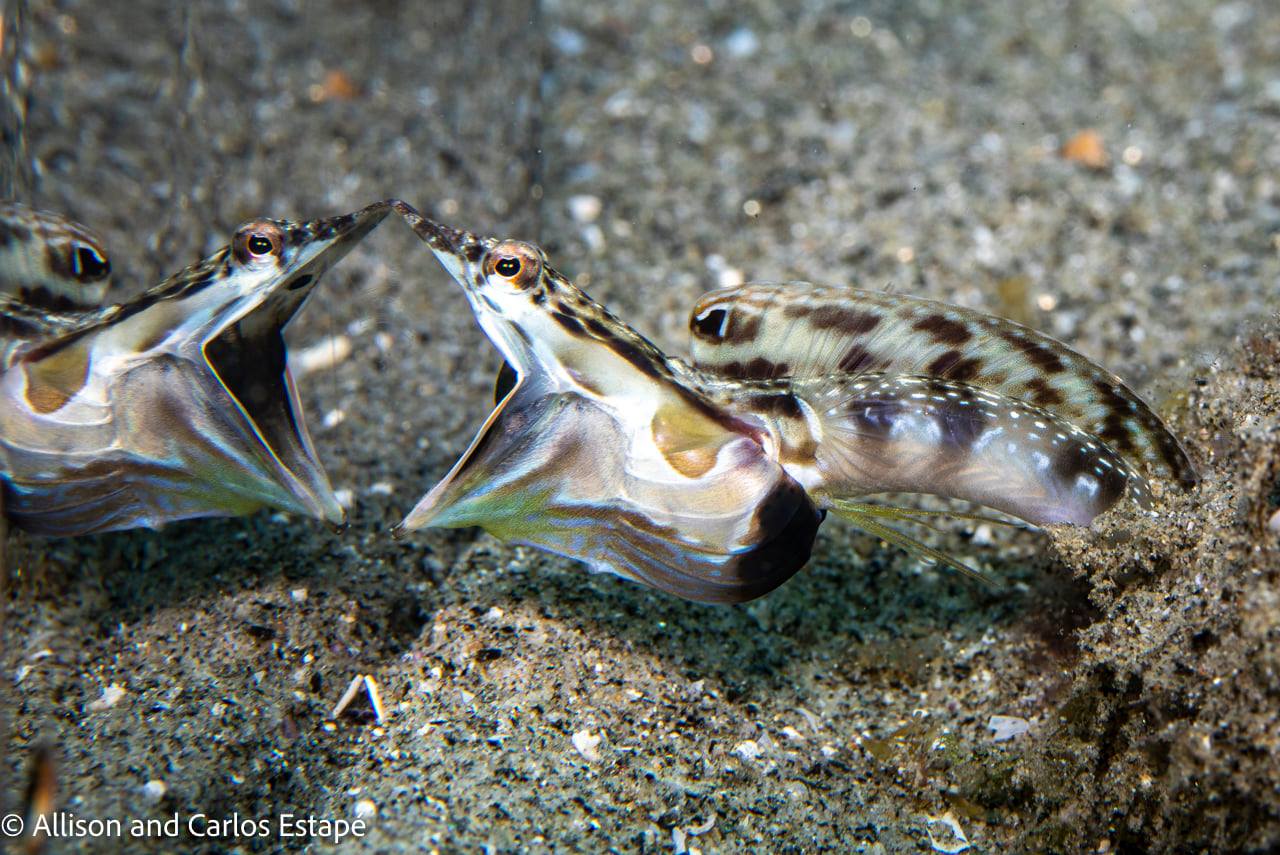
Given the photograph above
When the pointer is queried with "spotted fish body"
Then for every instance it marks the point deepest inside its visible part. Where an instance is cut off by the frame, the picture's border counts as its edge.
(800, 399)
(602, 451)
(870, 392)
(50, 262)
(176, 404)
(822, 336)
(874, 433)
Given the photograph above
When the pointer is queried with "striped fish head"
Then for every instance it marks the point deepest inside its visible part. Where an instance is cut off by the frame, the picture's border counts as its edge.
(508, 284)
(49, 261)
(180, 402)
(546, 328)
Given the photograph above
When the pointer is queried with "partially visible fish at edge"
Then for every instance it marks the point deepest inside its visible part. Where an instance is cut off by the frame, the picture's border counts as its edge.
(178, 403)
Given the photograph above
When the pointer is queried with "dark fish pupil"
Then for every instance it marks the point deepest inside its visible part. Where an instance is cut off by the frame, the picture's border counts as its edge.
(259, 245)
(710, 324)
(507, 266)
(89, 265)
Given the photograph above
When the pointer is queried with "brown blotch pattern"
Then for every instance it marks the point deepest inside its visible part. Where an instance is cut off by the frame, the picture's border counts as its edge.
(960, 425)
(857, 359)
(848, 321)
(954, 366)
(11, 232)
(1072, 459)
(53, 381)
(1042, 394)
(46, 299)
(742, 328)
(1115, 427)
(762, 369)
(784, 405)
(1037, 354)
(58, 257)
(944, 330)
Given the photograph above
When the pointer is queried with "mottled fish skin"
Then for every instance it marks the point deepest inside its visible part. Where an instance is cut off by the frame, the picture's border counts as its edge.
(50, 262)
(602, 449)
(797, 330)
(851, 436)
(176, 404)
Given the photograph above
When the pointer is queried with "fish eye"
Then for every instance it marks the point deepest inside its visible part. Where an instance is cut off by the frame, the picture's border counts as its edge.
(90, 265)
(508, 266)
(257, 241)
(518, 263)
(260, 245)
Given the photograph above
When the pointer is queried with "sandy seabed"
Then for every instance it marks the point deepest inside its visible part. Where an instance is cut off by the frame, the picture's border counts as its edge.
(1104, 171)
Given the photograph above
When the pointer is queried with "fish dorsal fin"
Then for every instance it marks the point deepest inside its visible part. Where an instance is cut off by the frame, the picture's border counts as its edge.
(764, 331)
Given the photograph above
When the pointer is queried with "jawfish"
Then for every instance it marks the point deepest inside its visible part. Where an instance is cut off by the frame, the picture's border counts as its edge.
(709, 478)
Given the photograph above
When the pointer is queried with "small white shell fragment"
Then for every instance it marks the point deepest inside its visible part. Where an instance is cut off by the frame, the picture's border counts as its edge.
(298, 595)
(584, 208)
(154, 790)
(791, 733)
(810, 718)
(320, 356)
(748, 749)
(702, 828)
(586, 743)
(950, 837)
(333, 418)
(729, 277)
(1006, 727)
(1274, 524)
(365, 809)
(593, 235)
(111, 695)
(370, 686)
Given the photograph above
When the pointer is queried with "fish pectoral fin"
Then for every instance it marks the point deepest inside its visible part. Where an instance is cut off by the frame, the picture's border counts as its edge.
(913, 515)
(868, 517)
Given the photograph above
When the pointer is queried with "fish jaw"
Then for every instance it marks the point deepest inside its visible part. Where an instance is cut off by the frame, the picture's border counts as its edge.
(557, 471)
(180, 403)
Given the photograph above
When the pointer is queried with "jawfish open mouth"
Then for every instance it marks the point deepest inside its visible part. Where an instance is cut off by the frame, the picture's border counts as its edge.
(250, 359)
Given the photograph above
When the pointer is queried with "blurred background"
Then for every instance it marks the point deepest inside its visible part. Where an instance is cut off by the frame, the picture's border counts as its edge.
(1104, 170)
